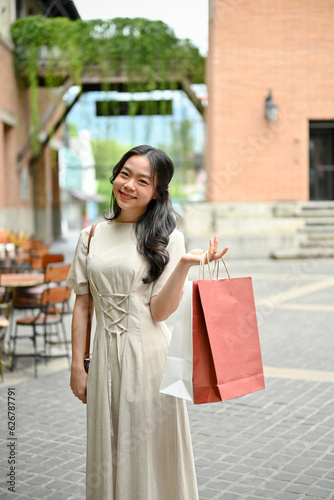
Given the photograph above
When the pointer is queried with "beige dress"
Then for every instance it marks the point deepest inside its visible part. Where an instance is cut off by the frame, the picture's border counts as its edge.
(138, 440)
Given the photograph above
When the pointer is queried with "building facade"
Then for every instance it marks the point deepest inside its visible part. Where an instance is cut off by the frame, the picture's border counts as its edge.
(286, 47)
(29, 192)
(78, 184)
(270, 130)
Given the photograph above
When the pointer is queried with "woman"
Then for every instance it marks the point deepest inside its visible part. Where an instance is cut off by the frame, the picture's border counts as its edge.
(138, 440)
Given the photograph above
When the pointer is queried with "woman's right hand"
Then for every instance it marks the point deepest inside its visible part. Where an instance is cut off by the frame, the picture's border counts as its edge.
(78, 383)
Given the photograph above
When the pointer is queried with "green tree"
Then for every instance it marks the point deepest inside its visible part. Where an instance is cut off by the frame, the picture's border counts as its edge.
(72, 129)
(107, 153)
(149, 52)
(183, 155)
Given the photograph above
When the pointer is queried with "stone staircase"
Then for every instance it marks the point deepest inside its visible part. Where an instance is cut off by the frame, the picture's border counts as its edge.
(315, 238)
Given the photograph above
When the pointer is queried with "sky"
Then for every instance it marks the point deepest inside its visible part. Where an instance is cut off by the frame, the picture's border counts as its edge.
(188, 18)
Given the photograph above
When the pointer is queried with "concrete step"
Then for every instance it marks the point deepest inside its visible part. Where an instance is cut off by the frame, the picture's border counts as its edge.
(317, 205)
(304, 253)
(316, 237)
(317, 244)
(315, 221)
(322, 212)
(321, 236)
(318, 229)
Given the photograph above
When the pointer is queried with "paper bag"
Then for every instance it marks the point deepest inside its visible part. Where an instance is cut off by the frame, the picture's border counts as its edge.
(214, 354)
(227, 360)
(178, 372)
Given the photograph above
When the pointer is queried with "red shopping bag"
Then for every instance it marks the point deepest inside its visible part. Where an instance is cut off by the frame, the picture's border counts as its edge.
(227, 360)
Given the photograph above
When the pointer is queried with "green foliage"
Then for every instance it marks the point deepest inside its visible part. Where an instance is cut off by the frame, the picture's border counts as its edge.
(142, 49)
(177, 189)
(185, 160)
(181, 150)
(136, 45)
(72, 129)
(104, 188)
(182, 145)
(106, 153)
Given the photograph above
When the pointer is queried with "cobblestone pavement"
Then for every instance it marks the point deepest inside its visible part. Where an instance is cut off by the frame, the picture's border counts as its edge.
(274, 444)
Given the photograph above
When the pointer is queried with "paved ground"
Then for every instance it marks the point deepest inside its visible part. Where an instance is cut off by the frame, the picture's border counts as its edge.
(274, 444)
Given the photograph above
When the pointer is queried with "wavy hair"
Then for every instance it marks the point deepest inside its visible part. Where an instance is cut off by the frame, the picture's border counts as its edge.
(154, 227)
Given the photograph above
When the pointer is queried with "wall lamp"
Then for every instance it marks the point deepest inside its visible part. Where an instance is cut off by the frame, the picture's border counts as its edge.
(270, 108)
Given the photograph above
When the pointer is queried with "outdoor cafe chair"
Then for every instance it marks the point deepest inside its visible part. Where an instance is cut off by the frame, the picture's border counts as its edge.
(57, 274)
(30, 256)
(22, 262)
(42, 250)
(47, 323)
(31, 245)
(39, 262)
(29, 298)
(33, 258)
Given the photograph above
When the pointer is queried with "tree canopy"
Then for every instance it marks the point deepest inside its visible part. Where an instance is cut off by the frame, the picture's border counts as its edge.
(139, 46)
(47, 50)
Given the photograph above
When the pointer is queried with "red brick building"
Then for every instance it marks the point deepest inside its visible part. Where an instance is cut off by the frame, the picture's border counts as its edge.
(286, 46)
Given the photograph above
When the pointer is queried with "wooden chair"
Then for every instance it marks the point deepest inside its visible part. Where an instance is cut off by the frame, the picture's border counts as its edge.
(28, 246)
(57, 274)
(48, 323)
(52, 258)
(39, 262)
(38, 243)
(22, 262)
(29, 298)
(31, 255)
(36, 263)
(42, 250)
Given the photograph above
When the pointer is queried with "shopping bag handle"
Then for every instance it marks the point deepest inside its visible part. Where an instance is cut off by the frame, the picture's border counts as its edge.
(205, 257)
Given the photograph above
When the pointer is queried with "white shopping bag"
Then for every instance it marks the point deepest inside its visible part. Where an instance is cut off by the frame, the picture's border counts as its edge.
(178, 372)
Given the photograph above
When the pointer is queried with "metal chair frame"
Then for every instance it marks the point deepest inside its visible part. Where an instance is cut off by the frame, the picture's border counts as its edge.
(52, 310)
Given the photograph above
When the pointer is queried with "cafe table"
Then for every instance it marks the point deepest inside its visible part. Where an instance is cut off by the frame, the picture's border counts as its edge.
(12, 281)
(19, 280)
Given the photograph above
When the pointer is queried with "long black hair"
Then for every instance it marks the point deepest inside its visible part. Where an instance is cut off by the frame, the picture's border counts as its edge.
(154, 227)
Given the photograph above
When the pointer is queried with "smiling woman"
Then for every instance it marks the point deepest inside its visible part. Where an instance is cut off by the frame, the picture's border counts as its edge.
(145, 172)
(134, 183)
(138, 440)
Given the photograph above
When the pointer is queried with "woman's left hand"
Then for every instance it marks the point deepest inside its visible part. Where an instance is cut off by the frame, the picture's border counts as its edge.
(193, 257)
(168, 299)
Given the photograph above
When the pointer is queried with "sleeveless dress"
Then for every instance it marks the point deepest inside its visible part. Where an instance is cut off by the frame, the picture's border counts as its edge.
(138, 440)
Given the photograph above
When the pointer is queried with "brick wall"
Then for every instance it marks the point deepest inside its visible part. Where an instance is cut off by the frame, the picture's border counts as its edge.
(9, 179)
(255, 45)
(17, 213)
